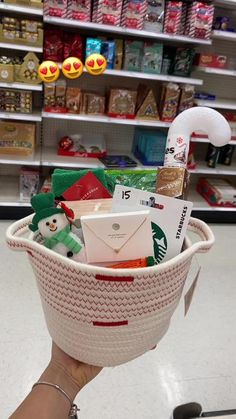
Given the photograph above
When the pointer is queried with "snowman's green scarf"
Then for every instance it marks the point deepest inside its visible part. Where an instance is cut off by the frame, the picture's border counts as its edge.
(64, 237)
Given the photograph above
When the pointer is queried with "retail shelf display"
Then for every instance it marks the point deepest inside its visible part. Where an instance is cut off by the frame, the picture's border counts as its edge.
(205, 140)
(124, 31)
(21, 160)
(200, 204)
(224, 35)
(35, 116)
(225, 3)
(157, 77)
(216, 71)
(51, 159)
(15, 8)
(20, 47)
(10, 192)
(22, 86)
(106, 120)
(202, 168)
(217, 104)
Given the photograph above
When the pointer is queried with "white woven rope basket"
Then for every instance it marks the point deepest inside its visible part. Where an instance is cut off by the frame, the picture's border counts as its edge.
(105, 316)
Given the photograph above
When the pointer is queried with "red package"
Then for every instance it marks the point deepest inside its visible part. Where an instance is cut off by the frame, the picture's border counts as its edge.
(133, 13)
(55, 8)
(53, 45)
(173, 17)
(199, 20)
(87, 187)
(79, 10)
(73, 45)
(107, 12)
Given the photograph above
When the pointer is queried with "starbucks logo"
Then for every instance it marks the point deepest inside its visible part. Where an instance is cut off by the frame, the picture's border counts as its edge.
(159, 242)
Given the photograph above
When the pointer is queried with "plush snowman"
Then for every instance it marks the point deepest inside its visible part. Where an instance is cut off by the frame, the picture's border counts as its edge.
(55, 227)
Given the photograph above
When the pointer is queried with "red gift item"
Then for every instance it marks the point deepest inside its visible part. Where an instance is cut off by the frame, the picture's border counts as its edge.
(73, 45)
(53, 45)
(88, 187)
(173, 15)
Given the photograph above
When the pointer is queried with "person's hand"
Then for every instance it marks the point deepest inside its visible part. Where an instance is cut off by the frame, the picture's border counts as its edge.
(70, 374)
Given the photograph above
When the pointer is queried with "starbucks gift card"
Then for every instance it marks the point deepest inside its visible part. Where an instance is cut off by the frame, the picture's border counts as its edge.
(169, 218)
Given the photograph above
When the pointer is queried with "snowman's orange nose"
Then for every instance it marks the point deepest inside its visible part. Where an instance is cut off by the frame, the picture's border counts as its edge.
(51, 226)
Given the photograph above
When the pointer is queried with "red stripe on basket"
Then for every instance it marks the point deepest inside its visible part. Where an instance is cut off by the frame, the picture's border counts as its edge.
(111, 324)
(114, 278)
(30, 253)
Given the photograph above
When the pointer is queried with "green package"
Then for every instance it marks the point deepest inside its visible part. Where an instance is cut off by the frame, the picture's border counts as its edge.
(139, 179)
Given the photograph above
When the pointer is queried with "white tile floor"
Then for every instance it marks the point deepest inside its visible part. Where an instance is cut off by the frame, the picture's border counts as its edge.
(194, 362)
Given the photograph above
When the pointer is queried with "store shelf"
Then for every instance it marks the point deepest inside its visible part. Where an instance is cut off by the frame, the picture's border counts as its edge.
(146, 76)
(23, 86)
(9, 197)
(200, 204)
(105, 120)
(220, 169)
(224, 35)
(20, 47)
(216, 71)
(206, 140)
(123, 31)
(51, 159)
(21, 160)
(225, 3)
(217, 104)
(5, 7)
(35, 116)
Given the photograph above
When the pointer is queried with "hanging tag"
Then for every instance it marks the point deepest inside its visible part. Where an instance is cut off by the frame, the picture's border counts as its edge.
(189, 295)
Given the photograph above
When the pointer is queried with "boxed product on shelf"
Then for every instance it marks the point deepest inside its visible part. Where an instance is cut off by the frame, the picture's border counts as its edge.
(79, 10)
(55, 8)
(186, 97)
(217, 192)
(53, 45)
(108, 50)
(82, 146)
(31, 3)
(118, 54)
(72, 45)
(169, 101)
(146, 106)
(133, 55)
(133, 13)
(122, 103)
(107, 12)
(149, 146)
(182, 62)
(154, 17)
(210, 60)
(93, 104)
(15, 101)
(199, 20)
(17, 138)
(73, 99)
(29, 183)
(20, 70)
(226, 154)
(152, 57)
(93, 46)
(173, 17)
(168, 56)
(46, 186)
(21, 31)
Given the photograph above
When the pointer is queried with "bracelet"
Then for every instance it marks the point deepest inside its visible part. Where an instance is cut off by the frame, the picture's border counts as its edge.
(73, 407)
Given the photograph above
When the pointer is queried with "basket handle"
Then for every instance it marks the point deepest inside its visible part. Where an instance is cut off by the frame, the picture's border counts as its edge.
(16, 232)
(202, 230)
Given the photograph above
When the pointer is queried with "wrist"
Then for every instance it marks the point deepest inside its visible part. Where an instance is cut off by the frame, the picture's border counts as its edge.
(57, 374)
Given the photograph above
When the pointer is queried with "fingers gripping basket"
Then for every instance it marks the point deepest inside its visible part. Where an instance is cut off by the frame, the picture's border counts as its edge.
(104, 316)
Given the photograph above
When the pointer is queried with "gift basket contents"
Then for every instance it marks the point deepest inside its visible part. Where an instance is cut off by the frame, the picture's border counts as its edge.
(109, 249)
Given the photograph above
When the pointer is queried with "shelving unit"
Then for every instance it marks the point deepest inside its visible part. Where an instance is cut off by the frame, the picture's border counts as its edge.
(26, 10)
(106, 120)
(118, 30)
(217, 104)
(216, 71)
(23, 86)
(20, 47)
(224, 35)
(35, 116)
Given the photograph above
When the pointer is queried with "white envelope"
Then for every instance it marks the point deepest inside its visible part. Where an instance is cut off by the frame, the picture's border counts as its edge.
(117, 237)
